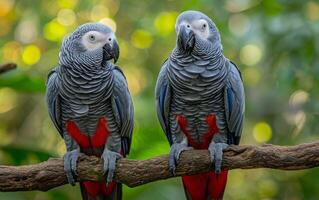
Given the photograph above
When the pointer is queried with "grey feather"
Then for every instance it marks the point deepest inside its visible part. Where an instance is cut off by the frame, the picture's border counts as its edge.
(234, 107)
(53, 100)
(163, 97)
(123, 107)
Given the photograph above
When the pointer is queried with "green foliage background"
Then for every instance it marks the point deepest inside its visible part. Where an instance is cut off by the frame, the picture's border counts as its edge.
(274, 43)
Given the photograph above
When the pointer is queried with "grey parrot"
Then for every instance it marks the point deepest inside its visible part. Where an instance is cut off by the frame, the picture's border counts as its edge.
(200, 101)
(90, 105)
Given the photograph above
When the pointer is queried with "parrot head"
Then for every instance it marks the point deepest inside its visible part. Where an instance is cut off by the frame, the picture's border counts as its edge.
(90, 44)
(196, 33)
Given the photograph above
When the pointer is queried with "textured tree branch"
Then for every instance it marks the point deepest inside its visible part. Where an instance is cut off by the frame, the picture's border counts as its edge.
(50, 174)
(7, 67)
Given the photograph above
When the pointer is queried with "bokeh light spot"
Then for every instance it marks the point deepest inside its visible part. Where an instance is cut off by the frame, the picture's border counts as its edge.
(250, 54)
(135, 79)
(114, 4)
(262, 132)
(5, 7)
(99, 12)
(300, 119)
(109, 22)
(312, 10)
(8, 99)
(299, 97)
(165, 22)
(26, 31)
(31, 54)
(54, 31)
(67, 3)
(12, 51)
(141, 39)
(236, 6)
(295, 115)
(239, 24)
(66, 17)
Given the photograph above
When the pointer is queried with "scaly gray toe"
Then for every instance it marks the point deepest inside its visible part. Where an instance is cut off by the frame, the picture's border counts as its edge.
(70, 162)
(216, 153)
(109, 158)
(176, 150)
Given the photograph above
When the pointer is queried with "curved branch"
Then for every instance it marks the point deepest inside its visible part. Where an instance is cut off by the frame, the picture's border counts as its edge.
(50, 174)
(7, 67)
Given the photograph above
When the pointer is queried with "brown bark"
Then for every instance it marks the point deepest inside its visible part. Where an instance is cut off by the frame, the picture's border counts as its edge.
(6, 67)
(50, 174)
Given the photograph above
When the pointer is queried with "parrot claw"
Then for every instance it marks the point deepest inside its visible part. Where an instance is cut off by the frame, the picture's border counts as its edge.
(109, 162)
(216, 154)
(70, 158)
(176, 150)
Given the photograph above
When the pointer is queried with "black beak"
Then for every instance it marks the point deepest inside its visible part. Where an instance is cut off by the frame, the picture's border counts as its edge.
(111, 51)
(186, 39)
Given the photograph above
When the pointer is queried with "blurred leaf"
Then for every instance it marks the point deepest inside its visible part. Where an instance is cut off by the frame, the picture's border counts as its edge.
(19, 155)
(22, 82)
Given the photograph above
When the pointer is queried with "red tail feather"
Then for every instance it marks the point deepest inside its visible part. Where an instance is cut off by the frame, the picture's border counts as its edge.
(207, 137)
(82, 140)
(101, 134)
(217, 184)
(98, 140)
(205, 186)
(95, 188)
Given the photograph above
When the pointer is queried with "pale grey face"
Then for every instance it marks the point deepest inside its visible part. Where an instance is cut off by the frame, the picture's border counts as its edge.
(93, 40)
(196, 31)
(199, 26)
(90, 44)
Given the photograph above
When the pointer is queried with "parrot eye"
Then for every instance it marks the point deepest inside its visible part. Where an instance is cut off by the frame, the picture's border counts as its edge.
(204, 26)
(91, 37)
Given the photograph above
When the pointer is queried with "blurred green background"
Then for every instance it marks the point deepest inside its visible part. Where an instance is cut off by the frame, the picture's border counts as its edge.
(274, 43)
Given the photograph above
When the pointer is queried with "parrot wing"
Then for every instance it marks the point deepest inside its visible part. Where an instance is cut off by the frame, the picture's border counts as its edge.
(53, 100)
(163, 97)
(123, 109)
(234, 103)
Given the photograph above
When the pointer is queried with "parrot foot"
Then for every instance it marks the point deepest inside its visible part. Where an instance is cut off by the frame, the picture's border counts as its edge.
(216, 154)
(109, 161)
(176, 150)
(70, 158)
